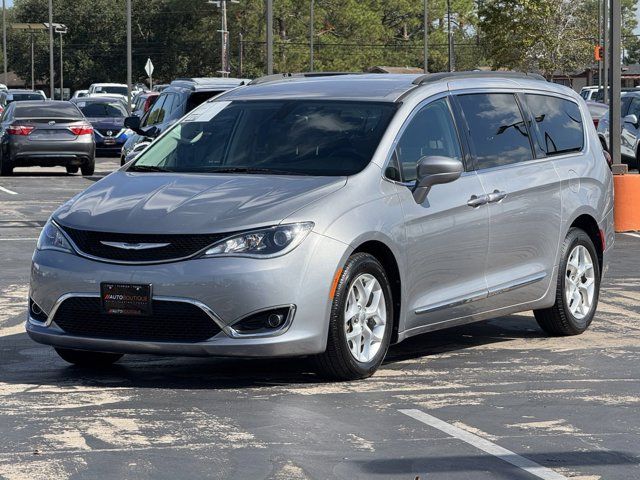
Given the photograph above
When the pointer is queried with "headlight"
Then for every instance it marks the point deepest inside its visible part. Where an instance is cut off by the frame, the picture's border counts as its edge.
(263, 243)
(51, 238)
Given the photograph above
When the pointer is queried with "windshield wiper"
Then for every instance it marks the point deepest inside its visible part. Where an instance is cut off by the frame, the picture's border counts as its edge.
(147, 168)
(254, 170)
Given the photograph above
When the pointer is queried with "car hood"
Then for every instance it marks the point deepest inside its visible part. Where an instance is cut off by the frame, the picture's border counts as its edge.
(115, 123)
(128, 202)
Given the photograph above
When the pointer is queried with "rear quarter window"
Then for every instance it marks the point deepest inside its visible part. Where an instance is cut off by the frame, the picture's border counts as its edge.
(557, 124)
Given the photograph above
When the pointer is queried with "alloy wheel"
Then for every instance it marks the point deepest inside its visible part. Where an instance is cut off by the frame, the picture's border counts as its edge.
(365, 317)
(579, 282)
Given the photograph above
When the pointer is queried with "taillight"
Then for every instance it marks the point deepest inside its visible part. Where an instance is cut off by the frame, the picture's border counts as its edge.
(81, 130)
(20, 129)
(596, 121)
(147, 104)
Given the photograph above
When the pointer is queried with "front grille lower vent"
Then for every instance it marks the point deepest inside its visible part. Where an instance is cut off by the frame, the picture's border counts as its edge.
(178, 246)
(170, 321)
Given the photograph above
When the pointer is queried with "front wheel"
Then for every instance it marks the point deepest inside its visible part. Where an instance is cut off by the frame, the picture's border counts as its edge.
(578, 288)
(85, 358)
(361, 321)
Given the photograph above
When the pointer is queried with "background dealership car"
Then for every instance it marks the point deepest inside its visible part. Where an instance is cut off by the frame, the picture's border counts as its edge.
(630, 140)
(80, 94)
(17, 95)
(46, 133)
(108, 88)
(597, 111)
(331, 216)
(106, 114)
(176, 100)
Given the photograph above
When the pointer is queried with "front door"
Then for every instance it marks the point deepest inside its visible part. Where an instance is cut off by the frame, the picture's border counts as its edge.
(447, 238)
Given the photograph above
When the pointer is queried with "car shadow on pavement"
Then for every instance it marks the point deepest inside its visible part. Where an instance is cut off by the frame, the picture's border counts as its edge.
(148, 371)
(412, 466)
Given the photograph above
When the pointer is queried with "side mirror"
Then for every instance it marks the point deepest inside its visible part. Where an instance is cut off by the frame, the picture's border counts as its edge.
(434, 170)
(632, 119)
(133, 123)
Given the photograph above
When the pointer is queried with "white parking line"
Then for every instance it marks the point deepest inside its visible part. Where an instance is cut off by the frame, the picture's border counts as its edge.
(485, 445)
(632, 234)
(17, 239)
(10, 192)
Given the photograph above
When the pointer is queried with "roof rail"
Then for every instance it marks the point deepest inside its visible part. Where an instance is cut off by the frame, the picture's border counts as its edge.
(278, 77)
(435, 77)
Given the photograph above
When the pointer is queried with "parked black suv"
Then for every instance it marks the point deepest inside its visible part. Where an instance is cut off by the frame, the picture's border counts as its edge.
(179, 98)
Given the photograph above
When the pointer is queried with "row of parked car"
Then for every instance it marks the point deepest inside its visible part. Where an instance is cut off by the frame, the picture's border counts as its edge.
(37, 131)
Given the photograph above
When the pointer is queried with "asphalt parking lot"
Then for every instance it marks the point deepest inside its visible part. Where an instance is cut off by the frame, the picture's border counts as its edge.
(493, 400)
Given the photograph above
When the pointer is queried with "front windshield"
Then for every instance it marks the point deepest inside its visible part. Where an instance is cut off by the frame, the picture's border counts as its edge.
(99, 109)
(303, 137)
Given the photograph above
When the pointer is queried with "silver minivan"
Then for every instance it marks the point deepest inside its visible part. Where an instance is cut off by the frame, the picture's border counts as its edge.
(331, 216)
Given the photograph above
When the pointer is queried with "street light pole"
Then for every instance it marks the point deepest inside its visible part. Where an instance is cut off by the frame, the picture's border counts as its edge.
(4, 39)
(129, 56)
(311, 34)
(616, 83)
(605, 51)
(269, 37)
(51, 48)
(61, 29)
(33, 69)
(426, 36)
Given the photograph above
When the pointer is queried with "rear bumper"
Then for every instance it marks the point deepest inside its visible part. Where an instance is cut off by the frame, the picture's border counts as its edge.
(51, 153)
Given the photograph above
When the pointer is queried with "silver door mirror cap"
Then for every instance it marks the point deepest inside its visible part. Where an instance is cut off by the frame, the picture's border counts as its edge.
(632, 119)
(433, 170)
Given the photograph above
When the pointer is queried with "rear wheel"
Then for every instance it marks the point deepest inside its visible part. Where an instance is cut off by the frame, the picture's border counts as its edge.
(72, 169)
(88, 359)
(88, 167)
(361, 321)
(577, 290)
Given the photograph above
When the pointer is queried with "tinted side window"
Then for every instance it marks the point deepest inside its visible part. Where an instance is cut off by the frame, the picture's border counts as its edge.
(558, 123)
(430, 132)
(497, 130)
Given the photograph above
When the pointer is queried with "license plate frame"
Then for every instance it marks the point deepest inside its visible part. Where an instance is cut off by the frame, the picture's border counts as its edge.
(126, 298)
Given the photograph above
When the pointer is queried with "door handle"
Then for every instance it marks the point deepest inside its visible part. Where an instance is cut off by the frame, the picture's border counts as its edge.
(496, 196)
(477, 200)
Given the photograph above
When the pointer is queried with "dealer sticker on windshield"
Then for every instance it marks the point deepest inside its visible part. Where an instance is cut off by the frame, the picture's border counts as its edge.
(206, 112)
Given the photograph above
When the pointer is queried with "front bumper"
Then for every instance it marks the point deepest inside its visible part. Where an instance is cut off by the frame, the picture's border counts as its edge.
(229, 288)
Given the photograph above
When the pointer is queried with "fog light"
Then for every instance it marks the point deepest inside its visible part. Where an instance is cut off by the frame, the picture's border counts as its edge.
(265, 321)
(36, 312)
(275, 320)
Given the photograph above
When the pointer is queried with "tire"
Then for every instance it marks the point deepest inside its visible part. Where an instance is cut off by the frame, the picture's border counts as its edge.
(6, 168)
(88, 167)
(72, 169)
(122, 162)
(85, 358)
(338, 361)
(559, 320)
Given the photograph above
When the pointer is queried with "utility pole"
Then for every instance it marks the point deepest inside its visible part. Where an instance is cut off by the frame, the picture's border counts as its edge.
(129, 56)
(240, 55)
(4, 38)
(311, 34)
(450, 35)
(269, 37)
(51, 48)
(224, 47)
(61, 29)
(426, 36)
(605, 51)
(33, 69)
(616, 83)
